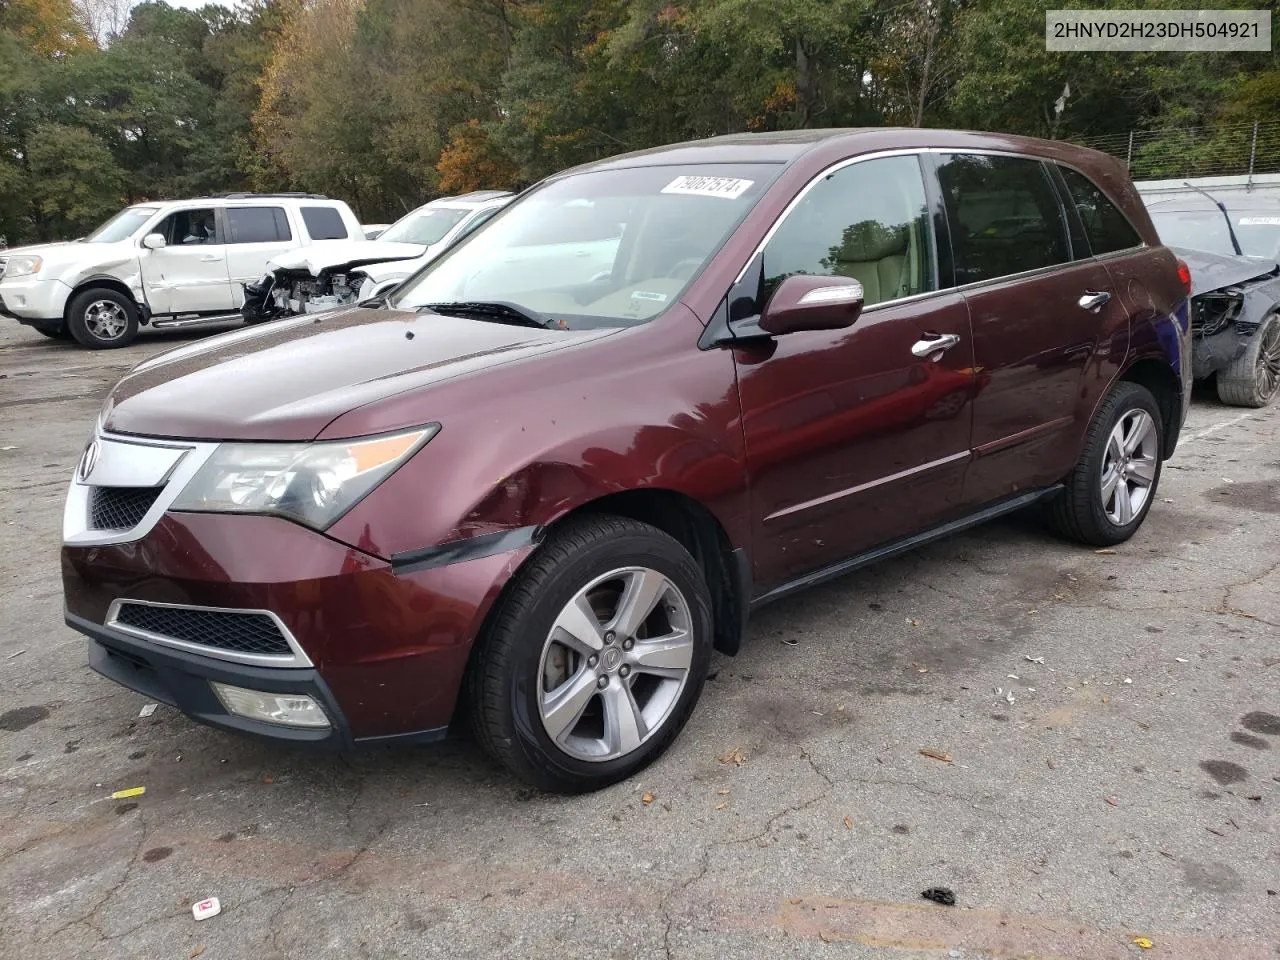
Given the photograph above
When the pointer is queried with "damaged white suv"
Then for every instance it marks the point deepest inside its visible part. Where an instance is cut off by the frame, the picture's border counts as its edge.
(329, 275)
(172, 263)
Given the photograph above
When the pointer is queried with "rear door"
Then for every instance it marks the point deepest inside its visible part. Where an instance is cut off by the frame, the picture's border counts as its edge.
(189, 273)
(855, 437)
(254, 236)
(1041, 320)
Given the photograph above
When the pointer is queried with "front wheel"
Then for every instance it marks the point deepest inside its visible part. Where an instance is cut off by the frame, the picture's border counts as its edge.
(1108, 493)
(1254, 378)
(595, 657)
(101, 319)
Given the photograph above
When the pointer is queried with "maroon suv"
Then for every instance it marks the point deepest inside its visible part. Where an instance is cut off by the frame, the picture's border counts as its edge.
(543, 479)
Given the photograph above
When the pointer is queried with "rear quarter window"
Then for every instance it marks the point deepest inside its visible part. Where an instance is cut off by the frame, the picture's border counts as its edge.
(1107, 229)
(324, 223)
(258, 225)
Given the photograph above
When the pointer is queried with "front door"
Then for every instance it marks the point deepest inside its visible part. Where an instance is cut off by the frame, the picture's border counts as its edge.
(1039, 320)
(189, 273)
(859, 436)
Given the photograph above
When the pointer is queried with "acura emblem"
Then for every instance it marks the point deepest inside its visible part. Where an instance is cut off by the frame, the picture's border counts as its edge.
(88, 461)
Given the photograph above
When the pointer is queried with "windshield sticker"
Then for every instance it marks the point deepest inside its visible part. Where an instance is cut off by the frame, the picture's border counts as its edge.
(1259, 221)
(729, 188)
(646, 295)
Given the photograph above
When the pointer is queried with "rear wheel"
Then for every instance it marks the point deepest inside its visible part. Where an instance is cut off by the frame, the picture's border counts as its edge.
(101, 319)
(1113, 484)
(594, 660)
(1254, 378)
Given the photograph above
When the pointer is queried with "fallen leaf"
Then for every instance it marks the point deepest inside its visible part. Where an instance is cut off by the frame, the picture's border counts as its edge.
(794, 900)
(848, 823)
(935, 754)
(196, 952)
(1143, 943)
(723, 793)
(1112, 801)
(648, 798)
(913, 622)
(734, 756)
(826, 937)
(268, 779)
(1105, 553)
(1105, 698)
(721, 806)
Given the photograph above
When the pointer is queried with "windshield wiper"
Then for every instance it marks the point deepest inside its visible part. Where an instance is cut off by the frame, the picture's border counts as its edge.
(1226, 216)
(498, 310)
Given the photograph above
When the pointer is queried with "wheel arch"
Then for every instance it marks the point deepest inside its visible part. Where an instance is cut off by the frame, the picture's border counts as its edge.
(1158, 377)
(114, 284)
(699, 531)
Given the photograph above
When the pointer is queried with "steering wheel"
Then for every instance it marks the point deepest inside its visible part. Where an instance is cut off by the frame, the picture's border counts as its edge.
(684, 269)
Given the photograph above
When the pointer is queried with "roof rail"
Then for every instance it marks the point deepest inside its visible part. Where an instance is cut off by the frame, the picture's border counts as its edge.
(479, 195)
(255, 196)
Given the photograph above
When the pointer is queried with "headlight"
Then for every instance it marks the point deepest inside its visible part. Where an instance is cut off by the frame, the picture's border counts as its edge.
(313, 483)
(22, 267)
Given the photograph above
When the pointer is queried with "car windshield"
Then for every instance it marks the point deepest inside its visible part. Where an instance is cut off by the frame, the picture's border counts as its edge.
(1259, 235)
(122, 226)
(427, 225)
(600, 248)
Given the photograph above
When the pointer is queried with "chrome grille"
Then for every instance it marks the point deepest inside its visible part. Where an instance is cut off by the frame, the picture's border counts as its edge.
(245, 633)
(120, 508)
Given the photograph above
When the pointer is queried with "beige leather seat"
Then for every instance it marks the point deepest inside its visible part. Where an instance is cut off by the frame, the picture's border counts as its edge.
(876, 256)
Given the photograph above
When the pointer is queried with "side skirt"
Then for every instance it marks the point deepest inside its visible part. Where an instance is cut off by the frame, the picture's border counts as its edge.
(839, 569)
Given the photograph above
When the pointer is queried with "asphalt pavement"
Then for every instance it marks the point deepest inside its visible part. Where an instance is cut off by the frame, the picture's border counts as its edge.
(1102, 733)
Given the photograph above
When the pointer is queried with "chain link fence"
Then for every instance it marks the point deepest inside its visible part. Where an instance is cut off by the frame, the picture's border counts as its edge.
(1238, 149)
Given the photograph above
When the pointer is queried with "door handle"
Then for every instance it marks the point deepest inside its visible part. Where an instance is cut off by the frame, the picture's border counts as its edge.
(1093, 302)
(210, 258)
(933, 343)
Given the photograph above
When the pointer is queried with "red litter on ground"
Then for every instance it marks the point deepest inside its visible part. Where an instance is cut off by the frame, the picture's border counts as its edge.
(206, 909)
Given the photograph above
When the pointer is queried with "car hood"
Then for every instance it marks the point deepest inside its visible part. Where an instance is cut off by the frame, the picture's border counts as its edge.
(289, 379)
(1213, 271)
(331, 254)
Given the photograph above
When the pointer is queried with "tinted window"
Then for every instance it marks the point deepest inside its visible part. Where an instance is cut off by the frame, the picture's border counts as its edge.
(323, 223)
(1003, 214)
(1104, 225)
(258, 224)
(188, 228)
(867, 221)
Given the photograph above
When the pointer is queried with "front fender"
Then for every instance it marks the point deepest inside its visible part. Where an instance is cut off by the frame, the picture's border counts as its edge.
(526, 443)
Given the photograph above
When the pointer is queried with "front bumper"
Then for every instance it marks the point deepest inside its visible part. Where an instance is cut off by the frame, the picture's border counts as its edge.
(30, 298)
(389, 647)
(183, 679)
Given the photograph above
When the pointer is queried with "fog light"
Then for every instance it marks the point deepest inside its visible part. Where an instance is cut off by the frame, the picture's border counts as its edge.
(286, 709)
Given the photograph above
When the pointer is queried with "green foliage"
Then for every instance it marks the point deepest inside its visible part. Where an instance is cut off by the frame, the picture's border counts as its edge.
(386, 103)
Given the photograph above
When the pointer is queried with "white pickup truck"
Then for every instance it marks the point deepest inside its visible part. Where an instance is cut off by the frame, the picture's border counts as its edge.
(173, 263)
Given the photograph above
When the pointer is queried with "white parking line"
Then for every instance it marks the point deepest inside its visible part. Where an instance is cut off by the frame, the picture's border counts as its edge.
(1216, 427)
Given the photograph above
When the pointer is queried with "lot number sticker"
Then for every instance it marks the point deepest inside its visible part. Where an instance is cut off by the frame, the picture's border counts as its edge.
(729, 188)
(1259, 221)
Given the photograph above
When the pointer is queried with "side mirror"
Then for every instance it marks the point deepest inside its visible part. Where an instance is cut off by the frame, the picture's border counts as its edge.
(153, 241)
(803, 302)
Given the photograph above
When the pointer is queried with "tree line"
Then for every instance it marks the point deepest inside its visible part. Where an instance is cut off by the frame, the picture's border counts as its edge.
(388, 103)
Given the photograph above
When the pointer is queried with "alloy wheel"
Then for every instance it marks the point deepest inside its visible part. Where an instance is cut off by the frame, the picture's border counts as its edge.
(1129, 466)
(106, 320)
(1268, 368)
(615, 663)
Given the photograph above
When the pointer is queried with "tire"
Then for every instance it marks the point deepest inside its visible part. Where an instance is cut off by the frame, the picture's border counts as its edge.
(94, 314)
(1082, 512)
(1253, 379)
(522, 652)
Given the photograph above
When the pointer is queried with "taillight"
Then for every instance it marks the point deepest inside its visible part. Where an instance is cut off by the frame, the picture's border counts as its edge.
(1184, 274)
